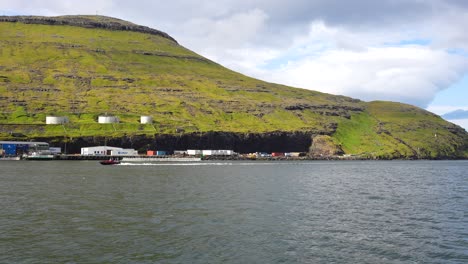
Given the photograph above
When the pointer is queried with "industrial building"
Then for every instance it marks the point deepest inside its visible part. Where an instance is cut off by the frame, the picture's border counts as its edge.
(107, 151)
(19, 148)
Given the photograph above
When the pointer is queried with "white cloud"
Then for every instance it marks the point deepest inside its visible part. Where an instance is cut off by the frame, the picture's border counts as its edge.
(228, 39)
(215, 36)
(56, 8)
(447, 27)
(411, 74)
(232, 31)
(363, 65)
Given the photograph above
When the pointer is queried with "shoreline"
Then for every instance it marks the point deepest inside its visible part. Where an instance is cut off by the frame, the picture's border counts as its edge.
(75, 157)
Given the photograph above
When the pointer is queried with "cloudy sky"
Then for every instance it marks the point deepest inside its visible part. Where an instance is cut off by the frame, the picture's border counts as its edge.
(412, 51)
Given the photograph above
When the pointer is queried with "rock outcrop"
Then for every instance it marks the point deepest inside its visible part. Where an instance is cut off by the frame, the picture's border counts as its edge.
(86, 22)
(324, 146)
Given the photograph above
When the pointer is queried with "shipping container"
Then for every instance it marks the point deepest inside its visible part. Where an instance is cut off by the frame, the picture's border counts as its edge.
(10, 149)
(277, 154)
(21, 149)
(150, 152)
(161, 153)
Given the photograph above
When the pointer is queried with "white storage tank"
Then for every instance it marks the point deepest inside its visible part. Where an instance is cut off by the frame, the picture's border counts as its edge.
(108, 119)
(146, 120)
(56, 120)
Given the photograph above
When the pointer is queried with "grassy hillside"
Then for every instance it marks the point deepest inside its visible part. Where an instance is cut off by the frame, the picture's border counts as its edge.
(85, 66)
(391, 130)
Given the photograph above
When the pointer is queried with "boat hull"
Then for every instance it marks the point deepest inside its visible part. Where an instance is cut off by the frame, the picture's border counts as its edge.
(109, 162)
(39, 157)
(10, 158)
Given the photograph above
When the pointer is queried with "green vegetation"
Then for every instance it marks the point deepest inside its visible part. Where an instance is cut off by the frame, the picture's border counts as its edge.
(82, 72)
(363, 135)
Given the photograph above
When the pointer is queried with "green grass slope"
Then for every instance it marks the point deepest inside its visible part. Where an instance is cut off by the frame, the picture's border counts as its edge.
(85, 66)
(395, 130)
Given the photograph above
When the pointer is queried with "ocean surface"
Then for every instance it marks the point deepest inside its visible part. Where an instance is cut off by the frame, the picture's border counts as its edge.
(234, 212)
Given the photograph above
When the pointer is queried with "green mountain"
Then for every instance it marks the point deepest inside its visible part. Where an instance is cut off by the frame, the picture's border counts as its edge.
(85, 66)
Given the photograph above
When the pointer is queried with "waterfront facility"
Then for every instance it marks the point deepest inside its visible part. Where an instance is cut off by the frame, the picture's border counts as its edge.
(19, 148)
(107, 151)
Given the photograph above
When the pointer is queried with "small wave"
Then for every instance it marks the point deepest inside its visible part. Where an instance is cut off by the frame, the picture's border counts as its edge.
(173, 164)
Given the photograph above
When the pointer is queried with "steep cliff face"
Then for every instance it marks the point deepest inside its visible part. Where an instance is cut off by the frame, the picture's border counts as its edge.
(85, 66)
(325, 146)
(103, 22)
(239, 142)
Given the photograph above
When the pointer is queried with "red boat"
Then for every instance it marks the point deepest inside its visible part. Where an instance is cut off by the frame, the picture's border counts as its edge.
(110, 162)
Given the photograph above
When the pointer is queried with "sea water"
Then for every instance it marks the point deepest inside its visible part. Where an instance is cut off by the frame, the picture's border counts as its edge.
(234, 212)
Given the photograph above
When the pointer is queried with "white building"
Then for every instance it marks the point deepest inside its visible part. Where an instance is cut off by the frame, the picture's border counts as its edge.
(193, 152)
(56, 120)
(107, 151)
(217, 152)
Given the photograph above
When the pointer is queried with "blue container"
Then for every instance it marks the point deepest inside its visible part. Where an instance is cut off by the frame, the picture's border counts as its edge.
(22, 147)
(10, 149)
(160, 153)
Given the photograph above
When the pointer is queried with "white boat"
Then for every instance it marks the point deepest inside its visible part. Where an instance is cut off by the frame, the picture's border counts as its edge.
(38, 156)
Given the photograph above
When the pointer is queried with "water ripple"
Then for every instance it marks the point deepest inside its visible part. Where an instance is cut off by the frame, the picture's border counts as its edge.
(235, 212)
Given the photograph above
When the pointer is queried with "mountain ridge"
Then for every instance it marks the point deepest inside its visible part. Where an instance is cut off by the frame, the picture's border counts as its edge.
(86, 21)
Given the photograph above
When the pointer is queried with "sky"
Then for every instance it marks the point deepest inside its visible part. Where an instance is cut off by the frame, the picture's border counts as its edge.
(411, 51)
